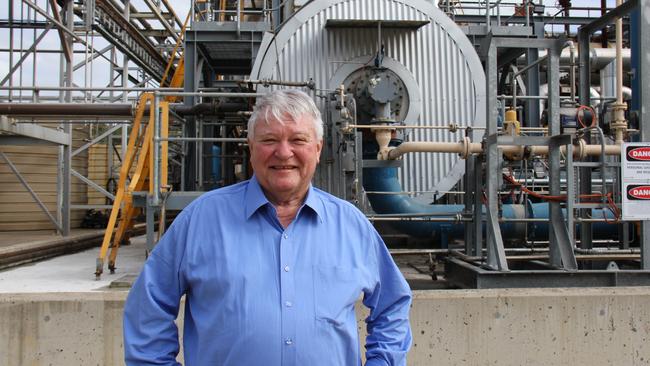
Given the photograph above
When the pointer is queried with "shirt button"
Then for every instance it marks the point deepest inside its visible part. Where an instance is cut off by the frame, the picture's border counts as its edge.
(287, 268)
(288, 342)
(285, 236)
(288, 304)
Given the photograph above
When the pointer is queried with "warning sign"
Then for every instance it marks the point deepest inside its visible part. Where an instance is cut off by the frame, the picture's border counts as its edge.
(635, 171)
(638, 192)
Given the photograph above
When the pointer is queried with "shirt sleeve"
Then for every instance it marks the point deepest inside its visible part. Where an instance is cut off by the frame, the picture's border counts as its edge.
(150, 334)
(389, 331)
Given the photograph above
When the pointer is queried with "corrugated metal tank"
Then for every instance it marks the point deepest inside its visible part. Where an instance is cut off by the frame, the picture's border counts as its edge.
(443, 73)
(38, 165)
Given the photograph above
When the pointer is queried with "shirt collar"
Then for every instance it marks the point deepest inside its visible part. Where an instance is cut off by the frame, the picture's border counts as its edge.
(255, 199)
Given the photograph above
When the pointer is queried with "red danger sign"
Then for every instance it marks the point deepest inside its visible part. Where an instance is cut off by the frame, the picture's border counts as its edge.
(638, 153)
(638, 192)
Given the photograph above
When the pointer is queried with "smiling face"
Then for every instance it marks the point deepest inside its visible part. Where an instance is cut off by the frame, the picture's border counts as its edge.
(284, 157)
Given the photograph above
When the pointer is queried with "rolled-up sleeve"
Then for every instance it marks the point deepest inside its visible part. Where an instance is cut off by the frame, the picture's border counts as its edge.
(150, 334)
(389, 301)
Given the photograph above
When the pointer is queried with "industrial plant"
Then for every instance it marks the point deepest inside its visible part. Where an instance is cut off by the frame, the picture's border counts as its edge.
(501, 148)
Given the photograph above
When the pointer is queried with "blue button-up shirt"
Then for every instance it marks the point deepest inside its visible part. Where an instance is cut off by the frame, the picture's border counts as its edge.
(260, 294)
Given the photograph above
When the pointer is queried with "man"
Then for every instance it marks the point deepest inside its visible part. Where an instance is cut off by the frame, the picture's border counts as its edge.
(271, 267)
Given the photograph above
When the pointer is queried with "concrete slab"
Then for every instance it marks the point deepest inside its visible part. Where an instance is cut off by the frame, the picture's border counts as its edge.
(11, 238)
(72, 273)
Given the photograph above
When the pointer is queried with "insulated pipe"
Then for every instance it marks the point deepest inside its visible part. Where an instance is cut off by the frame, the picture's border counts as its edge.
(598, 57)
(619, 57)
(111, 110)
(619, 123)
(266, 82)
(71, 109)
(463, 148)
(208, 109)
(385, 180)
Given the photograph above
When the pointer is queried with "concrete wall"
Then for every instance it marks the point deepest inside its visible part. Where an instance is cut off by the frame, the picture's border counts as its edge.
(450, 327)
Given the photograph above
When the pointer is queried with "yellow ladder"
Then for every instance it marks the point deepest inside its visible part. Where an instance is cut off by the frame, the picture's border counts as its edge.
(140, 147)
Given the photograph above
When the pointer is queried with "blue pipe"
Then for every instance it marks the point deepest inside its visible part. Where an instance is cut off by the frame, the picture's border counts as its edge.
(385, 180)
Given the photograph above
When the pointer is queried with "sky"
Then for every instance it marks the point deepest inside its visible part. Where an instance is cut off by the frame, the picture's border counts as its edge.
(48, 64)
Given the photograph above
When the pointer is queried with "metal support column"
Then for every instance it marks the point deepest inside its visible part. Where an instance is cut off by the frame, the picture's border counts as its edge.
(561, 253)
(66, 155)
(584, 33)
(150, 223)
(468, 198)
(644, 117)
(496, 256)
(190, 85)
(477, 225)
(531, 106)
(584, 185)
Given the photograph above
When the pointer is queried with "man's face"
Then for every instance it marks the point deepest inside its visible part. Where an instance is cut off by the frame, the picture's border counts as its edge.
(284, 156)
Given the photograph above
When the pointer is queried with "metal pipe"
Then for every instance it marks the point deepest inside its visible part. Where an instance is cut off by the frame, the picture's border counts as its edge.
(619, 56)
(477, 148)
(422, 219)
(72, 109)
(156, 152)
(608, 251)
(211, 94)
(418, 251)
(77, 88)
(206, 139)
(109, 109)
(266, 82)
(572, 68)
(451, 126)
(598, 57)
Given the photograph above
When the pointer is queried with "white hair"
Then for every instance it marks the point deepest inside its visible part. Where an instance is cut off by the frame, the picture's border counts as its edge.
(282, 105)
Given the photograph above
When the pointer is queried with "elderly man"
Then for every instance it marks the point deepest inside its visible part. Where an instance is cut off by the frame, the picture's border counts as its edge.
(271, 267)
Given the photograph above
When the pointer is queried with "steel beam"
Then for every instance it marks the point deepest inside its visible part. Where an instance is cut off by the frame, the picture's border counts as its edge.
(467, 275)
(92, 184)
(610, 17)
(496, 257)
(60, 26)
(34, 131)
(96, 140)
(561, 245)
(584, 78)
(156, 11)
(470, 190)
(26, 54)
(15, 140)
(66, 150)
(477, 225)
(171, 11)
(559, 20)
(67, 51)
(111, 23)
(532, 111)
(95, 55)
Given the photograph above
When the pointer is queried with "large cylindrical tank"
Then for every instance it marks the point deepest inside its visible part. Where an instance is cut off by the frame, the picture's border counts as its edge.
(438, 65)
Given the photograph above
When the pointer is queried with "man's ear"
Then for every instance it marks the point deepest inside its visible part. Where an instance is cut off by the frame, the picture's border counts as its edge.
(319, 146)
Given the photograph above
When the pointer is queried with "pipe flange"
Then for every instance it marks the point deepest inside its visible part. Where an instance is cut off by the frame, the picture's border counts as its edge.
(581, 152)
(464, 154)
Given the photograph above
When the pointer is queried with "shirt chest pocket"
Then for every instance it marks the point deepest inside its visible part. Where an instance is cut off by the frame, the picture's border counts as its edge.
(336, 289)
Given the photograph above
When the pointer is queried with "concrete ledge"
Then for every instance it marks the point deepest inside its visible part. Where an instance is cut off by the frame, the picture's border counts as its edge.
(577, 326)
